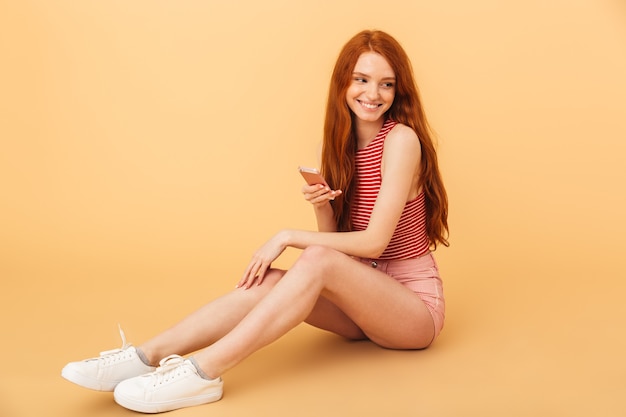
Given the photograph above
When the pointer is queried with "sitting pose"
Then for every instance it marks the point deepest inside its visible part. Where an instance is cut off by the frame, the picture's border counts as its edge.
(367, 273)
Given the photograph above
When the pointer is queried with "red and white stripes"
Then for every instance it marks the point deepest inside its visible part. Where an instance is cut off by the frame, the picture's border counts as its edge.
(409, 240)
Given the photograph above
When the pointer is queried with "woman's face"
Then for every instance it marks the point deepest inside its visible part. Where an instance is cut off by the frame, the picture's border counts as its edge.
(373, 87)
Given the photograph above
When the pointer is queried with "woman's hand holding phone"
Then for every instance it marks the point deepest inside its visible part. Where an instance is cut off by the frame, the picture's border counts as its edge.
(316, 191)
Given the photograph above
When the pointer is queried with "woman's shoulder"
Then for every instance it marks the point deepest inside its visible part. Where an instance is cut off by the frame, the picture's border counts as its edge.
(402, 133)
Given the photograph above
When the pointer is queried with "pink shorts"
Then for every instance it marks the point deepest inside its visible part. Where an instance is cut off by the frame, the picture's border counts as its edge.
(420, 275)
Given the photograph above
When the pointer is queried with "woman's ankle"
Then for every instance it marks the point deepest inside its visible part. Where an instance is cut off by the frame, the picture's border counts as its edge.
(145, 358)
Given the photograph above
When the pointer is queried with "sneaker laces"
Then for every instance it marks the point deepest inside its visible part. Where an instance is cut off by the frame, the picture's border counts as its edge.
(170, 367)
(114, 355)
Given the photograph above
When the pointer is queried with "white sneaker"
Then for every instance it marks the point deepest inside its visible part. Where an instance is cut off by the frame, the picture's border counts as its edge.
(175, 384)
(108, 370)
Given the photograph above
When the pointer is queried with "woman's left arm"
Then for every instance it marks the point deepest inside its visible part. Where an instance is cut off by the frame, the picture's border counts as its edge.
(400, 165)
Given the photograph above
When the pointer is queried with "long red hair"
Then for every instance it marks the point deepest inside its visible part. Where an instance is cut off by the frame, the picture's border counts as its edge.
(340, 143)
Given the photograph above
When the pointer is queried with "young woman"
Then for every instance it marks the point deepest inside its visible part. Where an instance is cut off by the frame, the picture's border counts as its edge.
(368, 273)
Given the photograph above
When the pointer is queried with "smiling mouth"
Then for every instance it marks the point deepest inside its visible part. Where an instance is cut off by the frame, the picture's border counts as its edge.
(369, 105)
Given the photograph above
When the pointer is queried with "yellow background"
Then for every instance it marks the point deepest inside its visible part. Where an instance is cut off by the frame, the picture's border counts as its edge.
(148, 147)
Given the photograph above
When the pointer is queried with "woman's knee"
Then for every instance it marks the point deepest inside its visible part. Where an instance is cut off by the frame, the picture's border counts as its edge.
(317, 263)
(319, 256)
(270, 279)
(273, 276)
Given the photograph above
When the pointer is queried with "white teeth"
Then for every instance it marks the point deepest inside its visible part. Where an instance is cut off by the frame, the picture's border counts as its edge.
(369, 106)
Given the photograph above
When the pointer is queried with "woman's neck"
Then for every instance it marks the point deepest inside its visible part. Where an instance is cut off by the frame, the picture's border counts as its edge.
(367, 131)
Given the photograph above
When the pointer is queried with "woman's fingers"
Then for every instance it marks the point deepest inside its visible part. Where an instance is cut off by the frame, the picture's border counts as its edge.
(254, 272)
(312, 191)
(262, 260)
(318, 194)
(248, 275)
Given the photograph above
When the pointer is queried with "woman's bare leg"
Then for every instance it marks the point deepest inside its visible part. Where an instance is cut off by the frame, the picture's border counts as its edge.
(209, 323)
(328, 316)
(385, 311)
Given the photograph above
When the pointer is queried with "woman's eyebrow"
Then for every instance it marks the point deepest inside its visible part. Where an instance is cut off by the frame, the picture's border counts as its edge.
(360, 74)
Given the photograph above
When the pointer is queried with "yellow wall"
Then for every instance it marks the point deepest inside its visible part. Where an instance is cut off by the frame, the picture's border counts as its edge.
(148, 147)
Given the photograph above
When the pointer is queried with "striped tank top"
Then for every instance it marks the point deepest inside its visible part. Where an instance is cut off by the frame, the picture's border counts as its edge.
(409, 240)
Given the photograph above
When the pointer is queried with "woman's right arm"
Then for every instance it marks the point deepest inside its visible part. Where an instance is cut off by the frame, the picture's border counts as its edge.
(325, 218)
(320, 196)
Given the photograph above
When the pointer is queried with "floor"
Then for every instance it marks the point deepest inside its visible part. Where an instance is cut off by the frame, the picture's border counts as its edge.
(505, 350)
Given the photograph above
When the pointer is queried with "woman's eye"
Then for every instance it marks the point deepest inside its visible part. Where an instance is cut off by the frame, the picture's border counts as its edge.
(388, 85)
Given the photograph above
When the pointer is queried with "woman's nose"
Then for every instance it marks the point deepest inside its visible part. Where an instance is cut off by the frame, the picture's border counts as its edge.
(372, 92)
